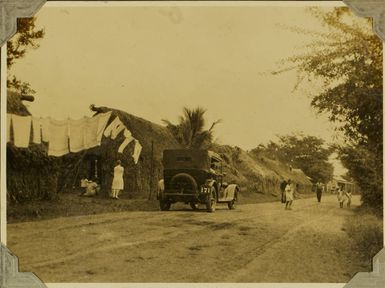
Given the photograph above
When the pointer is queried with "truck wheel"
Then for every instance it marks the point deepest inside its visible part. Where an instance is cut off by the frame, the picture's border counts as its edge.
(211, 200)
(194, 205)
(164, 205)
(232, 203)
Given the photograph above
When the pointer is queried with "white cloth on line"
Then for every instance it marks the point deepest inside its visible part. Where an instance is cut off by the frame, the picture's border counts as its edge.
(9, 120)
(45, 128)
(115, 127)
(128, 138)
(94, 129)
(36, 130)
(103, 120)
(137, 151)
(58, 137)
(91, 132)
(21, 130)
(76, 134)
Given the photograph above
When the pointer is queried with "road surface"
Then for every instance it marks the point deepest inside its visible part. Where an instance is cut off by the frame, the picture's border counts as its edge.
(254, 243)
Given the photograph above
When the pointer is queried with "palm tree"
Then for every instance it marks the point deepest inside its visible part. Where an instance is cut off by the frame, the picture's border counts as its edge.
(190, 131)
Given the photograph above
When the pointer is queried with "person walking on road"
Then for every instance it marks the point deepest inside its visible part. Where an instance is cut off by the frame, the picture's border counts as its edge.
(319, 189)
(117, 182)
(289, 193)
(282, 187)
(341, 196)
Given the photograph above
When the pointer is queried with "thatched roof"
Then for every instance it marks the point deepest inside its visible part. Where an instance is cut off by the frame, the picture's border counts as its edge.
(15, 105)
(145, 131)
(258, 174)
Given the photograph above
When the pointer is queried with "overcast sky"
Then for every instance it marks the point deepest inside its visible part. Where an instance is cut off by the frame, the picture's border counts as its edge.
(152, 61)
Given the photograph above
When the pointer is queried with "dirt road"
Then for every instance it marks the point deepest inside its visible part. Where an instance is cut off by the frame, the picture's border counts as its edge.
(254, 243)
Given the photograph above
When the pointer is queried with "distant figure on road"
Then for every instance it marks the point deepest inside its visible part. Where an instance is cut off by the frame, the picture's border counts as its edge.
(319, 189)
(282, 187)
(117, 182)
(289, 192)
(341, 196)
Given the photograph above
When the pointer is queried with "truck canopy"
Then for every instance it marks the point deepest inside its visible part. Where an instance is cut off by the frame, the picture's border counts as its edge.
(188, 159)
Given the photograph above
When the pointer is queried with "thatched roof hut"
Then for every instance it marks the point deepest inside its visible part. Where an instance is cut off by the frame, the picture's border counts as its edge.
(99, 162)
(261, 175)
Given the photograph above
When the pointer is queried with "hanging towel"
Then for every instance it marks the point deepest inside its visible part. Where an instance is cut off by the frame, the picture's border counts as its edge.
(128, 138)
(76, 134)
(103, 120)
(58, 137)
(91, 132)
(137, 150)
(115, 127)
(9, 120)
(36, 130)
(21, 130)
(45, 128)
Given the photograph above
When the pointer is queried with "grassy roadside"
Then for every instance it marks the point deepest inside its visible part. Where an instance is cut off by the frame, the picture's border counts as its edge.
(365, 228)
(71, 204)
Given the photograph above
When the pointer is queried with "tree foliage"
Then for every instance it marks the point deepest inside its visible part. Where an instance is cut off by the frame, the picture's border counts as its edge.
(26, 37)
(347, 60)
(190, 132)
(307, 153)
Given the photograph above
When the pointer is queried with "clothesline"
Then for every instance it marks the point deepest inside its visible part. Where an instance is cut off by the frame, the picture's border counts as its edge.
(65, 136)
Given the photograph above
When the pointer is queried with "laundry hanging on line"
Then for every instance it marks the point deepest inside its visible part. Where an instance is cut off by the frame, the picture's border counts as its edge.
(94, 128)
(55, 131)
(115, 127)
(113, 130)
(127, 140)
(21, 130)
(76, 134)
(137, 151)
(64, 136)
(58, 138)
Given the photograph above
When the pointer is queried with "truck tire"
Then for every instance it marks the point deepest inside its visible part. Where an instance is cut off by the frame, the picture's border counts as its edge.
(184, 178)
(232, 203)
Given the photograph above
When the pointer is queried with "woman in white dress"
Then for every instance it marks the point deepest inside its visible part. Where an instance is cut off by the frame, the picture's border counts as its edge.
(289, 192)
(117, 182)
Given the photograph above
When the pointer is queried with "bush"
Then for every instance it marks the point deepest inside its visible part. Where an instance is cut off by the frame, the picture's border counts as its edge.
(31, 174)
(366, 231)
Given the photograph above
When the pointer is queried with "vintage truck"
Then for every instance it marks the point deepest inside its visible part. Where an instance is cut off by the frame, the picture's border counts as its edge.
(195, 177)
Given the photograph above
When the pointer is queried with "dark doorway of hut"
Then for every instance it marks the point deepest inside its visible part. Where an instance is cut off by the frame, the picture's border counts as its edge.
(88, 166)
(94, 168)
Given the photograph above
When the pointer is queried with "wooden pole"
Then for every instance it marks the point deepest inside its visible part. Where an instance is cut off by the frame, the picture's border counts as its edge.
(151, 170)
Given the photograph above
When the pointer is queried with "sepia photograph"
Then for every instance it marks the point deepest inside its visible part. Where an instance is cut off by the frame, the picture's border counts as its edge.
(194, 142)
